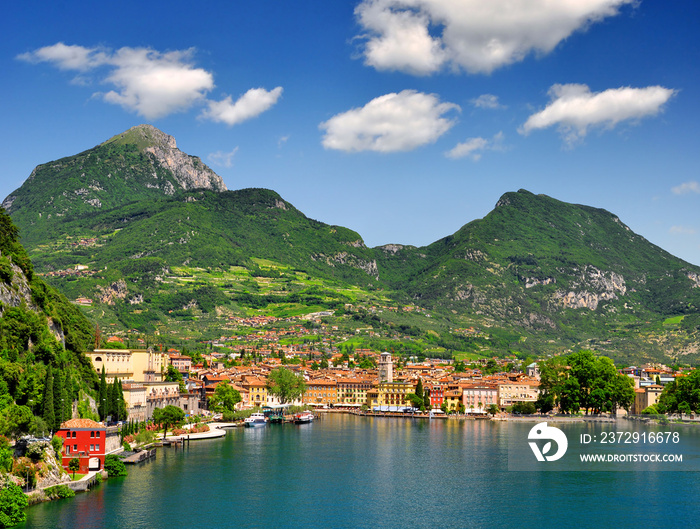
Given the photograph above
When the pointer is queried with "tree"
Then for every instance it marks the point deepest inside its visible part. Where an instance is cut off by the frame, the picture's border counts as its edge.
(114, 466)
(15, 420)
(284, 384)
(168, 416)
(224, 399)
(74, 465)
(12, 504)
(122, 412)
(102, 396)
(48, 413)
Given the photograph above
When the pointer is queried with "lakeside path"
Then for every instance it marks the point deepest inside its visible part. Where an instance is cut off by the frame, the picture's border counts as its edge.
(217, 429)
(550, 418)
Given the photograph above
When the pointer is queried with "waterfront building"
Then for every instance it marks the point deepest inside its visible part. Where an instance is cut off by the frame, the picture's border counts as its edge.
(352, 392)
(453, 398)
(437, 393)
(517, 391)
(321, 392)
(645, 397)
(478, 397)
(85, 440)
(389, 395)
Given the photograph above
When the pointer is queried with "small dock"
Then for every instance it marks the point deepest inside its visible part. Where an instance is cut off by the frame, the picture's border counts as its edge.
(138, 457)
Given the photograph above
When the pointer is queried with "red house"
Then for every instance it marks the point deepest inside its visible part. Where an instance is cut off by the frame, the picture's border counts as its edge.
(84, 439)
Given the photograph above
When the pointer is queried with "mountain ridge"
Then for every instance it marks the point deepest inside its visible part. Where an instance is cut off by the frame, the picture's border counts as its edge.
(553, 273)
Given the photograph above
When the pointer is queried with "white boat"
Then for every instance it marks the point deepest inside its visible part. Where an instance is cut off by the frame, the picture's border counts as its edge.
(256, 419)
(304, 417)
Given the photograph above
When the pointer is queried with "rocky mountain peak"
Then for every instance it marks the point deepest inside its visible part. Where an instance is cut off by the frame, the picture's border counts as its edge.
(189, 171)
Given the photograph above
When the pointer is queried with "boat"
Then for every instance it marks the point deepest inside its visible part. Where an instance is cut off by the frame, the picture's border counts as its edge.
(303, 417)
(256, 419)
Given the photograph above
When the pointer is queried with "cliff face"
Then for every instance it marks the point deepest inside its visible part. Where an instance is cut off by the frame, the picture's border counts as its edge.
(189, 171)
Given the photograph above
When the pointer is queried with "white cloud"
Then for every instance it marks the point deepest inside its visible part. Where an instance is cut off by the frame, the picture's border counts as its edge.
(474, 147)
(223, 159)
(151, 83)
(574, 108)
(478, 36)
(389, 123)
(686, 187)
(251, 104)
(682, 230)
(155, 84)
(148, 82)
(489, 101)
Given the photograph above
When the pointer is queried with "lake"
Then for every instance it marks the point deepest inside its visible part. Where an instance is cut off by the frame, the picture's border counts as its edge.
(346, 471)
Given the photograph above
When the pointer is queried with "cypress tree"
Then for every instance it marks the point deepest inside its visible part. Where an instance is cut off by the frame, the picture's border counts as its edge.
(67, 397)
(123, 412)
(109, 402)
(57, 401)
(48, 413)
(102, 395)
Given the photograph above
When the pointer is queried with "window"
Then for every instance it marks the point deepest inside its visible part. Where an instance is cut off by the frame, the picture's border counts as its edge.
(75, 448)
(92, 435)
(67, 449)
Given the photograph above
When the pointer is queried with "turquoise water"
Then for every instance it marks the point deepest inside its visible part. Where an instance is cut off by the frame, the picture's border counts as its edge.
(347, 471)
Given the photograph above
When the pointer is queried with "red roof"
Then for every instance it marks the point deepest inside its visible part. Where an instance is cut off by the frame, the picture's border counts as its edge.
(81, 423)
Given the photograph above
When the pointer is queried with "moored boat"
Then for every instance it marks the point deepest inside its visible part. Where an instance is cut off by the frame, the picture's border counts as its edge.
(303, 417)
(256, 419)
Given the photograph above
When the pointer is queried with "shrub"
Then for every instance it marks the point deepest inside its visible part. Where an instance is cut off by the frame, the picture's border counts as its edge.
(114, 466)
(126, 446)
(12, 505)
(58, 492)
(145, 437)
(35, 451)
(57, 444)
(25, 469)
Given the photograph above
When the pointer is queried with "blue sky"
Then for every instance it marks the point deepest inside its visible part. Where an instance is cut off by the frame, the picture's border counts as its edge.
(400, 119)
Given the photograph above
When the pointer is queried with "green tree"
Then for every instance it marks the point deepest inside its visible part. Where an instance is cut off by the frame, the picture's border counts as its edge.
(114, 466)
(15, 421)
(6, 453)
(13, 502)
(285, 384)
(74, 465)
(224, 399)
(47, 412)
(168, 416)
(102, 403)
(123, 412)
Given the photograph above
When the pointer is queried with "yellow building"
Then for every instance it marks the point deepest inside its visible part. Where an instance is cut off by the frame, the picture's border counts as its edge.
(132, 365)
(352, 392)
(321, 392)
(453, 399)
(257, 391)
(389, 395)
(521, 391)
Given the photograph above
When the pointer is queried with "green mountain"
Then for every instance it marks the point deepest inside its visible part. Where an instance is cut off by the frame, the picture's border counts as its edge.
(163, 247)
